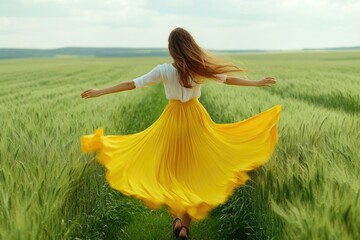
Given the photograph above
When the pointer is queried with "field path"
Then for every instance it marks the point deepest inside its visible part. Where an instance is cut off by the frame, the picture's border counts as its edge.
(157, 224)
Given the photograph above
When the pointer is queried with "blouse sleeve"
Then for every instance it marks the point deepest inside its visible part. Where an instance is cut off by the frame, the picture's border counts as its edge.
(221, 78)
(151, 78)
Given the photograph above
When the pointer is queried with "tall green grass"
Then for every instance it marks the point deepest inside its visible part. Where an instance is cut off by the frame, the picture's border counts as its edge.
(49, 189)
(308, 190)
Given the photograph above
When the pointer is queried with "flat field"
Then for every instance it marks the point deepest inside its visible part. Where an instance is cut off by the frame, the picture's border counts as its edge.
(309, 189)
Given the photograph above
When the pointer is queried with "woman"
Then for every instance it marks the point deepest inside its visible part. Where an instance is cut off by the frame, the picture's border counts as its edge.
(184, 160)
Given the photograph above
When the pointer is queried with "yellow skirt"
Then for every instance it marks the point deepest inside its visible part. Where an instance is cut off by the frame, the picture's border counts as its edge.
(184, 160)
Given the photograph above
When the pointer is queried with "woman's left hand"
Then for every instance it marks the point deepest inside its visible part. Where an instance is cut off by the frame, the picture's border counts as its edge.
(266, 82)
(91, 93)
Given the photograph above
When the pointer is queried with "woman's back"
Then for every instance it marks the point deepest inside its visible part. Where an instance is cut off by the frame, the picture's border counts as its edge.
(168, 75)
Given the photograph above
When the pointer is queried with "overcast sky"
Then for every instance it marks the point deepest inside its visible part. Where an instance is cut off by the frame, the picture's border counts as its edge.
(215, 24)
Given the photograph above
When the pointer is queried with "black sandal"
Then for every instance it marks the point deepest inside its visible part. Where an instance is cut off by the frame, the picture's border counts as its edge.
(187, 233)
(176, 231)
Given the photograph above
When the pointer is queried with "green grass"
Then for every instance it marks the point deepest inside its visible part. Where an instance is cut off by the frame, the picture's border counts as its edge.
(50, 190)
(310, 188)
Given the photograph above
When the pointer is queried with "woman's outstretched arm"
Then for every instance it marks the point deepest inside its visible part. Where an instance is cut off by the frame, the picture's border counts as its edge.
(268, 81)
(129, 85)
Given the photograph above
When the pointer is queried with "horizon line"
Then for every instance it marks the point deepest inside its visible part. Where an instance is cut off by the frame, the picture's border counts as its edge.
(163, 48)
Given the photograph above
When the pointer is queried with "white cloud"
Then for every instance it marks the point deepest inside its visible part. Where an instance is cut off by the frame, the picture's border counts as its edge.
(4, 23)
(352, 7)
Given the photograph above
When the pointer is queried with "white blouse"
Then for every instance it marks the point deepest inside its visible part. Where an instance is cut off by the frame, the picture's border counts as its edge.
(167, 74)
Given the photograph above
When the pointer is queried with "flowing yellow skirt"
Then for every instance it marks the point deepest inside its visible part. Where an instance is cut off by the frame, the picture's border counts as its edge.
(184, 160)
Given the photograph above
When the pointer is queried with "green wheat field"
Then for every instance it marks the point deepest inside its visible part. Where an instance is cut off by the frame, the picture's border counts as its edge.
(310, 188)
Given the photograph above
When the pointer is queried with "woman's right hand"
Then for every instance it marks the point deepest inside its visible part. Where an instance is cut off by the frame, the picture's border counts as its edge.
(266, 82)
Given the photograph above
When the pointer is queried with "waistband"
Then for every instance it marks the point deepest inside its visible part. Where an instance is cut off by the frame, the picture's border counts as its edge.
(177, 101)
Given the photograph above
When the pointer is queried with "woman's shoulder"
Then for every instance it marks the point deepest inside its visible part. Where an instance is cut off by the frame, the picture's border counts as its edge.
(166, 67)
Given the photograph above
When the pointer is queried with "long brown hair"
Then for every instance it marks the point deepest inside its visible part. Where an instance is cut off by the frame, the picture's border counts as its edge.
(192, 61)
